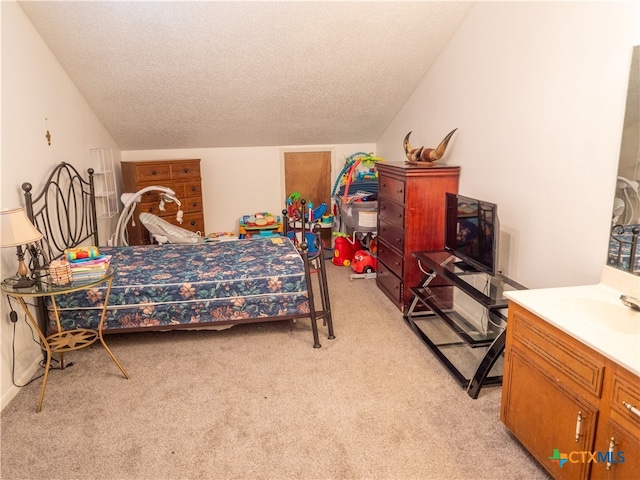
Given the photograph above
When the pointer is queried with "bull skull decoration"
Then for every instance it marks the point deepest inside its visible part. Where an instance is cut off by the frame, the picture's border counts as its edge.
(426, 156)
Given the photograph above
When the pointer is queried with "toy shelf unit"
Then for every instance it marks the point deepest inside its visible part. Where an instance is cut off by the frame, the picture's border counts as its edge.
(464, 320)
(101, 160)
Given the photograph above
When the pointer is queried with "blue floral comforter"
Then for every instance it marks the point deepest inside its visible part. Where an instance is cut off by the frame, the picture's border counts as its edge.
(197, 285)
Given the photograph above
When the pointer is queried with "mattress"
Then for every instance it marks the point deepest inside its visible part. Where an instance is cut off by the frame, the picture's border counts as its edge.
(171, 286)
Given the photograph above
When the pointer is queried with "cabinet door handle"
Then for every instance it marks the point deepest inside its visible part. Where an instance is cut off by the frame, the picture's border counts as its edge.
(612, 443)
(578, 426)
(631, 408)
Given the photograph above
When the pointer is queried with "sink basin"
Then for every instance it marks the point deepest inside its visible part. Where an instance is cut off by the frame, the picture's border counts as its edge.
(613, 316)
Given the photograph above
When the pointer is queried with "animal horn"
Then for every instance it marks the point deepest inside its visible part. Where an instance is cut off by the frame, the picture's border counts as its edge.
(413, 154)
(440, 149)
(406, 144)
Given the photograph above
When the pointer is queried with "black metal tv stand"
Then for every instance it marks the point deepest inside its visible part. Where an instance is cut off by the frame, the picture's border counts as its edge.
(468, 346)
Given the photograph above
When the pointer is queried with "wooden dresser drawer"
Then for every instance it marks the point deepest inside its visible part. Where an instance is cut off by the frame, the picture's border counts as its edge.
(192, 189)
(391, 188)
(154, 208)
(390, 258)
(558, 350)
(391, 213)
(625, 400)
(186, 170)
(392, 236)
(153, 173)
(192, 204)
(193, 222)
(389, 283)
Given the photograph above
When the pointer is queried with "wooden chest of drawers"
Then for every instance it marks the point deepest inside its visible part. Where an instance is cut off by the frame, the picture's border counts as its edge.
(411, 209)
(182, 176)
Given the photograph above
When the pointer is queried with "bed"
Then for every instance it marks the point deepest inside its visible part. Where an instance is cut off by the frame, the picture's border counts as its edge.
(169, 287)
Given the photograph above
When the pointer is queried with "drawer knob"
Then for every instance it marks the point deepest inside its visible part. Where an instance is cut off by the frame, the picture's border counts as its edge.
(399, 191)
(631, 408)
(194, 204)
(186, 170)
(193, 223)
(150, 209)
(193, 189)
(153, 172)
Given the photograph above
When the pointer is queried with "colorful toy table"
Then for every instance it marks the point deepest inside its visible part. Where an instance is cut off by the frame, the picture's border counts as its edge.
(246, 230)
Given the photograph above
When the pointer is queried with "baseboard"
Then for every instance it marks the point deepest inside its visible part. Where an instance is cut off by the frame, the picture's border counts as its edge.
(24, 378)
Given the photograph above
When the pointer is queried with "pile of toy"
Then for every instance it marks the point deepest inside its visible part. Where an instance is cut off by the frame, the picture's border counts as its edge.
(358, 176)
(349, 252)
(317, 214)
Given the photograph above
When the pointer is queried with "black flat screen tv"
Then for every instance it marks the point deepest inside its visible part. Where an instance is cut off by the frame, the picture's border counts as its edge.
(471, 233)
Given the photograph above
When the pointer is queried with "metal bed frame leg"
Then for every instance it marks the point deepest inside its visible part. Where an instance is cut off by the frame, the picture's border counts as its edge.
(324, 286)
(325, 314)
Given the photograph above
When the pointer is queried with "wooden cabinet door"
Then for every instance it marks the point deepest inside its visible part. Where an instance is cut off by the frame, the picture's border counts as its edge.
(547, 417)
(619, 454)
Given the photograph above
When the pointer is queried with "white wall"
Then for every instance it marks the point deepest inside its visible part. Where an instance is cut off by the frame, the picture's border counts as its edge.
(34, 86)
(242, 181)
(537, 91)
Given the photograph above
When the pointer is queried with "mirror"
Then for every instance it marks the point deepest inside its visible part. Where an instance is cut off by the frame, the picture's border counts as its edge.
(626, 206)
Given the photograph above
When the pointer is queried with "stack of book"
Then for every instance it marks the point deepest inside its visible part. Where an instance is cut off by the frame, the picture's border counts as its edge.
(87, 269)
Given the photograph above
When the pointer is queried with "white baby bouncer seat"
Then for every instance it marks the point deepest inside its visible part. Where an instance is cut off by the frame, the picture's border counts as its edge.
(164, 232)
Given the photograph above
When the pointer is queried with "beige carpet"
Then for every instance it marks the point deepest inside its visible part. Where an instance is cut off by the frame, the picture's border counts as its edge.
(258, 402)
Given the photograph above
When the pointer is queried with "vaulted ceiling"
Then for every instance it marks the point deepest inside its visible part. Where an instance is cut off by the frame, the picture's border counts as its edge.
(163, 75)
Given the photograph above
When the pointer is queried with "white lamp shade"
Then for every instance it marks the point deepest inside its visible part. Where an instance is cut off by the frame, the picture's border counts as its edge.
(16, 229)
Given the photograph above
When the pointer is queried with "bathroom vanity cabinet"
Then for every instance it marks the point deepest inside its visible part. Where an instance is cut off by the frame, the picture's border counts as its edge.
(565, 401)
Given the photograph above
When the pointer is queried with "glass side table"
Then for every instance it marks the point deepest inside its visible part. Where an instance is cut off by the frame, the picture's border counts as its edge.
(63, 340)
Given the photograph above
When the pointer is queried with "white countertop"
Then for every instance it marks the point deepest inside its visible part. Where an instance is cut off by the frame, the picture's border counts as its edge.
(592, 314)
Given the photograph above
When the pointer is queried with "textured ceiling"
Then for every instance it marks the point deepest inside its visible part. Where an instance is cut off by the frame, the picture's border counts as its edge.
(164, 75)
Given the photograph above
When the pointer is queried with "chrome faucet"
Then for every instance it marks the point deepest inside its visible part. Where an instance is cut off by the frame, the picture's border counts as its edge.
(631, 302)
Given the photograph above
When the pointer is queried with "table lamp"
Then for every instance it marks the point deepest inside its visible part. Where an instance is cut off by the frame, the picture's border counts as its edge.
(16, 230)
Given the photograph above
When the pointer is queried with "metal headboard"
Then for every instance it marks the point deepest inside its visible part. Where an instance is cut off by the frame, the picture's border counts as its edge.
(64, 211)
(626, 247)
